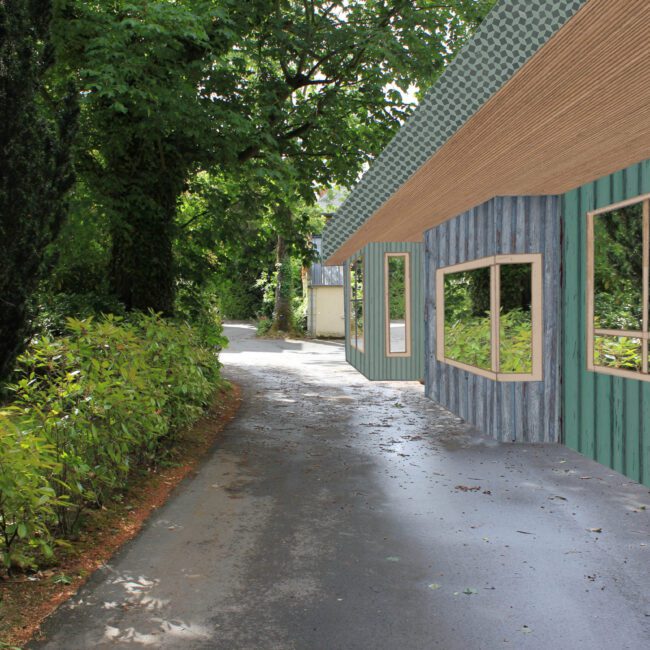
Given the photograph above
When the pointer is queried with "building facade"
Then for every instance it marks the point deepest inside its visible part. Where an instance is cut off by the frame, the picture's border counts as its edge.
(518, 195)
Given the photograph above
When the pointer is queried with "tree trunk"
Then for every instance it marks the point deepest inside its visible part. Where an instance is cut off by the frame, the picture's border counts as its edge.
(142, 259)
(282, 310)
(142, 264)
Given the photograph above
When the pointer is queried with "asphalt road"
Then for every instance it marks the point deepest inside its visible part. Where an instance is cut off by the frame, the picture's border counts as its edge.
(336, 513)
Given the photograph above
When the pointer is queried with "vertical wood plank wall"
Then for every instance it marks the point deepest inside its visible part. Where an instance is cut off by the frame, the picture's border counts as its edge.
(509, 411)
(606, 418)
(373, 362)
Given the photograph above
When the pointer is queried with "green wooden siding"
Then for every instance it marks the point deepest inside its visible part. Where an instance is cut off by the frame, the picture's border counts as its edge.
(606, 418)
(373, 361)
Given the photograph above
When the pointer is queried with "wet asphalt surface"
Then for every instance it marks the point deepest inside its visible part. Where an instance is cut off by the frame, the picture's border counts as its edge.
(336, 513)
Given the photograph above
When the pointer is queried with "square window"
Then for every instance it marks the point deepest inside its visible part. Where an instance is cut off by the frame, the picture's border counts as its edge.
(489, 318)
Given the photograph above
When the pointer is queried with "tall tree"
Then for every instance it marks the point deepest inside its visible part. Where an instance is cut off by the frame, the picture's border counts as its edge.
(146, 123)
(35, 167)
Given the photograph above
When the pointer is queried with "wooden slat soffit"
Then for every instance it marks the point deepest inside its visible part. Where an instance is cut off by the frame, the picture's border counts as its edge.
(578, 110)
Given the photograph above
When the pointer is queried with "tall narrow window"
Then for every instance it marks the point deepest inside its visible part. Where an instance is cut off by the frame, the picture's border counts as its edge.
(397, 280)
(515, 292)
(489, 317)
(356, 304)
(618, 253)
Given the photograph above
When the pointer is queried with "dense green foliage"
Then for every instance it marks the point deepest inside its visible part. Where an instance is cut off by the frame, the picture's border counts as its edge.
(140, 65)
(89, 408)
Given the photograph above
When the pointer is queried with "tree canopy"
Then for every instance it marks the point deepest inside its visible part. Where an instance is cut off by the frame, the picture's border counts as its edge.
(205, 130)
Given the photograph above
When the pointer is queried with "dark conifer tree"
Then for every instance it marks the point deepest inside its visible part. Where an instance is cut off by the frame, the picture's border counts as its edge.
(35, 165)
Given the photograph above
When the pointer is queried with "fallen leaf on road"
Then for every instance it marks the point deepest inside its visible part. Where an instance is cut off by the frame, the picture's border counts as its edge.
(434, 586)
(469, 591)
(595, 530)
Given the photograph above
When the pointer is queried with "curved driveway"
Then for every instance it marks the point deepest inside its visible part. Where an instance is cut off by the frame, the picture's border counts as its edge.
(336, 513)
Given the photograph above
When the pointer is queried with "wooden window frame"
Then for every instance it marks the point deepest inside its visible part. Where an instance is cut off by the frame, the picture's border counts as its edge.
(592, 331)
(407, 304)
(354, 342)
(537, 315)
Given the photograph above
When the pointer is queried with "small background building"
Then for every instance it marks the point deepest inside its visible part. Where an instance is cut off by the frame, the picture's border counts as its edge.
(325, 309)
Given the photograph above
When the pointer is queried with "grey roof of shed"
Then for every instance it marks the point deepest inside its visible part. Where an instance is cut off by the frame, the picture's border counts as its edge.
(511, 34)
(321, 275)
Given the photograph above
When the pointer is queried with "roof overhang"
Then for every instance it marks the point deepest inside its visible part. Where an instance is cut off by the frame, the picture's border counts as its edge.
(577, 110)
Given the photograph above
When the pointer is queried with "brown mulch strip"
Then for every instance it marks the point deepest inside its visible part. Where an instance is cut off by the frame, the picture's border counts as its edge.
(26, 600)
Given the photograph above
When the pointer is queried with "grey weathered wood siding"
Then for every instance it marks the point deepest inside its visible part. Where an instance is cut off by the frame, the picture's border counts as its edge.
(519, 411)
(373, 361)
(321, 275)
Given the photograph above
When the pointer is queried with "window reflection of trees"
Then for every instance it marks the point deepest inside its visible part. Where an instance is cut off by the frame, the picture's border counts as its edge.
(619, 288)
(397, 304)
(356, 304)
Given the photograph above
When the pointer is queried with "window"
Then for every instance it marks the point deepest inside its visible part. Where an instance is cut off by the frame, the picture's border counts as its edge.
(618, 253)
(397, 287)
(356, 309)
(489, 317)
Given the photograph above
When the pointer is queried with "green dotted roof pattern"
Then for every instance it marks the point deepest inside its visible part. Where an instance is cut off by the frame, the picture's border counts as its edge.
(513, 31)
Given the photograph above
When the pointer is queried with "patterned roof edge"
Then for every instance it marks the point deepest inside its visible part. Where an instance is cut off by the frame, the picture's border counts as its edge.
(510, 35)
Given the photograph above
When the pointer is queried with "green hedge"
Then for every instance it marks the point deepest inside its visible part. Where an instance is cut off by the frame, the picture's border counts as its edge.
(90, 407)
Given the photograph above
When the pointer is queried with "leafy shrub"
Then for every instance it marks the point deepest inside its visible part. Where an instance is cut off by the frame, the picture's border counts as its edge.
(200, 306)
(264, 324)
(299, 308)
(88, 408)
(27, 500)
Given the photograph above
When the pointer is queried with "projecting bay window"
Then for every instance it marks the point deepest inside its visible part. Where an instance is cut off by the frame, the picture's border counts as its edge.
(618, 252)
(356, 304)
(489, 317)
(397, 287)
